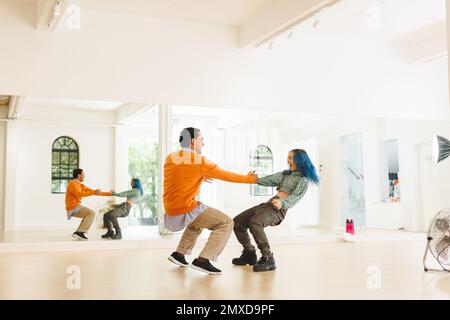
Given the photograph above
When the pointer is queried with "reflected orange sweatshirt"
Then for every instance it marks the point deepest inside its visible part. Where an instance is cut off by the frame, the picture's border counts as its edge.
(75, 191)
(184, 173)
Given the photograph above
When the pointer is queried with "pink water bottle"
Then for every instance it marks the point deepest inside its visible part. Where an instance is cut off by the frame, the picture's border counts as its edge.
(349, 226)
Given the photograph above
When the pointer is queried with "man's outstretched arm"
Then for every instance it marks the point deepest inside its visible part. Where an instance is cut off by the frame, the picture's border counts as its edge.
(96, 192)
(212, 171)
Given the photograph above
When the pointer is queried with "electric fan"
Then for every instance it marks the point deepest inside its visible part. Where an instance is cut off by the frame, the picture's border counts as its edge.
(438, 241)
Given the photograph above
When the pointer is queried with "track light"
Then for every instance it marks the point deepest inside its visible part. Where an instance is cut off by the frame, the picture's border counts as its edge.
(290, 34)
(316, 20)
(298, 22)
(56, 11)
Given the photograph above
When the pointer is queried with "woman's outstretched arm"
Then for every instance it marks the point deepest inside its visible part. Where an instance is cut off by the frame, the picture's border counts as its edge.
(273, 180)
(126, 194)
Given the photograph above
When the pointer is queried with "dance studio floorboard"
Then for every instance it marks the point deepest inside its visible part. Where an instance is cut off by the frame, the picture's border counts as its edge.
(148, 238)
(320, 270)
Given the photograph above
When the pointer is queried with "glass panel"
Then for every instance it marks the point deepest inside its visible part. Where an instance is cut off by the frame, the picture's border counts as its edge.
(71, 168)
(55, 171)
(55, 157)
(61, 142)
(63, 186)
(389, 171)
(73, 146)
(73, 158)
(353, 201)
(55, 186)
(63, 163)
(64, 158)
(262, 163)
(142, 135)
(65, 172)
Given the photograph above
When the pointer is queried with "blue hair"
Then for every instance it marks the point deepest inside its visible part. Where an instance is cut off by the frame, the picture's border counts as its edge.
(304, 165)
(136, 184)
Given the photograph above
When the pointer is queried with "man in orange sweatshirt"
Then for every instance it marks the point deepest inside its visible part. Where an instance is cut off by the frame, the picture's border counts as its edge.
(75, 191)
(184, 172)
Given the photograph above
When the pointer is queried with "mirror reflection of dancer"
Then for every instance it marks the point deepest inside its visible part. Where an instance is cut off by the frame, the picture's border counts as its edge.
(76, 190)
(291, 185)
(122, 210)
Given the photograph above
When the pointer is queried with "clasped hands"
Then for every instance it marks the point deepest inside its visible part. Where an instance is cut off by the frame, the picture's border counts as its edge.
(99, 192)
(275, 202)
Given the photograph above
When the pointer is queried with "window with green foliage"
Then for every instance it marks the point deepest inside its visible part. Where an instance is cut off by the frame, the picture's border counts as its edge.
(65, 158)
(261, 160)
(143, 164)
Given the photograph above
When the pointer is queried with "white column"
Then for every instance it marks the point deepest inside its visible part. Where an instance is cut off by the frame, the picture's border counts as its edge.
(121, 179)
(448, 37)
(165, 130)
(121, 158)
(10, 175)
(2, 173)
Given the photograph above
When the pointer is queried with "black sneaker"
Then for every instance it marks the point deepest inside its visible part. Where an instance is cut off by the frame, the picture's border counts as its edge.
(117, 236)
(79, 235)
(247, 257)
(265, 264)
(109, 234)
(205, 266)
(178, 259)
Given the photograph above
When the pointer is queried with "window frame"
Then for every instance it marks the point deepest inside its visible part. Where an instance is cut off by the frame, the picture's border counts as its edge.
(59, 177)
(255, 189)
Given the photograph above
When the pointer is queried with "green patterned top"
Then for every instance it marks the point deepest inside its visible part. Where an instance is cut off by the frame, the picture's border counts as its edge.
(294, 184)
(133, 194)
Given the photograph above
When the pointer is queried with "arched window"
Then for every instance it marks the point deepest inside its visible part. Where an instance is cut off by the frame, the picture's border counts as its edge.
(65, 158)
(261, 160)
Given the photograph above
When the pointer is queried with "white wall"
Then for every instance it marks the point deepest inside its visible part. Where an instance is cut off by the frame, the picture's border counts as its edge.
(415, 204)
(326, 131)
(117, 57)
(448, 38)
(2, 172)
(237, 144)
(35, 205)
(418, 204)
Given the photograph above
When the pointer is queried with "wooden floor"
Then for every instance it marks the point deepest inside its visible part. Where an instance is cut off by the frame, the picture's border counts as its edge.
(305, 271)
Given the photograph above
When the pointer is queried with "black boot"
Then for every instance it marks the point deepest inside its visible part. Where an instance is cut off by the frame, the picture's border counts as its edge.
(117, 236)
(247, 257)
(108, 234)
(265, 264)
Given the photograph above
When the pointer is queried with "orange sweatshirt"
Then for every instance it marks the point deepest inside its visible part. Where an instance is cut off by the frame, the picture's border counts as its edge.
(75, 191)
(184, 172)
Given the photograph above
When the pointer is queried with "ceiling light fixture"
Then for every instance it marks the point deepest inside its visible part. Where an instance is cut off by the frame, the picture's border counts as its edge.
(291, 33)
(316, 20)
(56, 11)
(294, 24)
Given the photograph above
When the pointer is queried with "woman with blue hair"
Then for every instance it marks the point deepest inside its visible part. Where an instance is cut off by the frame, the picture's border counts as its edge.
(291, 185)
(122, 210)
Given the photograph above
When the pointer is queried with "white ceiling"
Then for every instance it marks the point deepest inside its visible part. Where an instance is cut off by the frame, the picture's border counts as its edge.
(376, 19)
(397, 17)
(400, 20)
(221, 12)
(73, 103)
